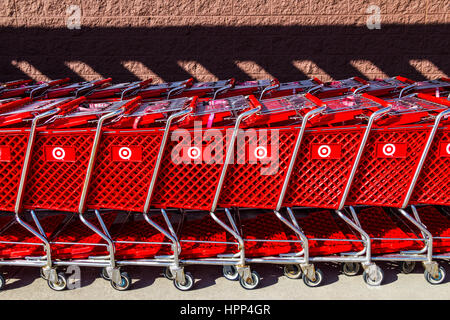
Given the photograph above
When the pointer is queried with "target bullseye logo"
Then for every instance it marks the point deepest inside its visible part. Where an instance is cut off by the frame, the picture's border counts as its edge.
(193, 152)
(61, 154)
(324, 151)
(125, 153)
(58, 153)
(389, 149)
(444, 149)
(260, 152)
(392, 150)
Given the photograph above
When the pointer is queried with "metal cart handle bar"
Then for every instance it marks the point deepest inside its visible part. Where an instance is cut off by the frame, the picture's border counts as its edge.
(275, 85)
(315, 89)
(16, 83)
(181, 114)
(230, 85)
(47, 86)
(26, 161)
(177, 90)
(230, 152)
(90, 86)
(372, 119)
(126, 108)
(138, 86)
(424, 155)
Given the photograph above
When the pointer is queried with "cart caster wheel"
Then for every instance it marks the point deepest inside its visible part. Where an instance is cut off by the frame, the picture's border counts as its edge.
(230, 273)
(408, 266)
(168, 274)
(438, 280)
(378, 278)
(125, 282)
(250, 285)
(41, 274)
(104, 274)
(351, 269)
(317, 282)
(292, 271)
(2, 282)
(188, 283)
(60, 285)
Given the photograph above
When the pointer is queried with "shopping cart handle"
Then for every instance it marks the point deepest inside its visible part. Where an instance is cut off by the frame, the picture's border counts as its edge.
(315, 100)
(70, 106)
(131, 105)
(381, 102)
(14, 104)
(57, 82)
(276, 84)
(145, 83)
(404, 79)
(433, 99)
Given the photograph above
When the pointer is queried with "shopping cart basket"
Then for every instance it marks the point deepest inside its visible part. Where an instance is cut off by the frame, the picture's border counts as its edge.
(31, 90)
(17, 136)
(391, 164)
(57, 172)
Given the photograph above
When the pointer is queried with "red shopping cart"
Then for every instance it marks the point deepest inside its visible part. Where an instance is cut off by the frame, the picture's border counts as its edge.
(17, 242)
(56, 177)
(76, 89)
(31, 90)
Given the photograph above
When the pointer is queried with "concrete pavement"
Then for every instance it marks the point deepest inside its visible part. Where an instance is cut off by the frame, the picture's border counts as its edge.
(148, 283)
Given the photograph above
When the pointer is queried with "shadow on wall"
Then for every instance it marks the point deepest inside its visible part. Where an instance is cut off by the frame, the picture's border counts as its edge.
(175, 53)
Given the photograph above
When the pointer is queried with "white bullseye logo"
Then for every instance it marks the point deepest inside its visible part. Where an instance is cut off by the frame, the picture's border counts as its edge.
(260, 152)
(324, 151)
(193, 152)
(58, 153)
(389, 149)
(125, 153)
(448, 148)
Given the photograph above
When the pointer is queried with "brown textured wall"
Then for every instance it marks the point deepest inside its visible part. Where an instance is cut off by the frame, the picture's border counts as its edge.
(211, 39)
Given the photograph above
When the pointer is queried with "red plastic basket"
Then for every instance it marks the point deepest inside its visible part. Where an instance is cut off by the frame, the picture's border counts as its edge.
(377, 223)
(205, 229)
(433, 184)
(17, 233)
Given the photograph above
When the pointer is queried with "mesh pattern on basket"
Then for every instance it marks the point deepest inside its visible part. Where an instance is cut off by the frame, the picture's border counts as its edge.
(123, 185)
(17, 233)
(385, 181)
(10, 171)
(265, 226)
(188, 185)
(246, 186)
(205, 229)
(321, 182)
(377, 223)
(433, 185)
(439, 226)
(139, 230)
(57, 185)
(76, 231)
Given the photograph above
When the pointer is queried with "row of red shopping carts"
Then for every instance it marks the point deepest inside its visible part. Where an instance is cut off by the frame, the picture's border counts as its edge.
(225, 173)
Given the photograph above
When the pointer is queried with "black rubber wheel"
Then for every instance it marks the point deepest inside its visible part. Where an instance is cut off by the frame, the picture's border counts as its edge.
(168, 274)
(250, 285)
(292, 271)
(60, 285)
(438, 280)
(104, 274)
(230, 273)
(125, 282)
(378, 279)
(188, 283)
(315, 283)
(351, 268)
(408, 266)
